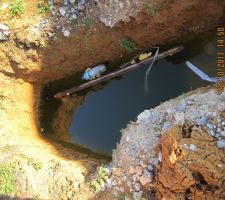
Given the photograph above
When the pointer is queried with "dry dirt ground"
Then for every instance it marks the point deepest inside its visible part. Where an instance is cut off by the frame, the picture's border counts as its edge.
(44, 169)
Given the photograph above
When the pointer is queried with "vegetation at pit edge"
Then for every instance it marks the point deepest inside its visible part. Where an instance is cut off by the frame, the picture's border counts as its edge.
(149, 7)
(43, 7)
(100, 179)
(128, 44)
(7, 179)
(16, 7)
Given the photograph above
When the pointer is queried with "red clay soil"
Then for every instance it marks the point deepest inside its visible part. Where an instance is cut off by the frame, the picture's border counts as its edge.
(186, 174)
(36, 59)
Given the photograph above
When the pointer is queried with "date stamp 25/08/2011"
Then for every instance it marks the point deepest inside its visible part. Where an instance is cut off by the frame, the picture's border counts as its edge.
(220, 59)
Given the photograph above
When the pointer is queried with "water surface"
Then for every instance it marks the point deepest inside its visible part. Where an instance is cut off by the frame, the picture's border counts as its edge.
(97, 122)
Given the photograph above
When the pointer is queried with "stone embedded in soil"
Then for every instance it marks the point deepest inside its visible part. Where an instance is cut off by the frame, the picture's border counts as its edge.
(182, 106)
(117, 171)
(137, 187)
(137, 195)
(154, 161)
(147, 177)
(138, 170)
(192, 147)
(150, 168)
(4, 32)
(179, 118)
(65, 32)
(221, 144)
(62, 11)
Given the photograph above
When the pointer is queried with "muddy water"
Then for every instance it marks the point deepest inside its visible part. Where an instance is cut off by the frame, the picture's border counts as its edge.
(94, 118)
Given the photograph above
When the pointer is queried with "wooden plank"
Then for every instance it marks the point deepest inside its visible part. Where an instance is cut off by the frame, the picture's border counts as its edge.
(119, 72)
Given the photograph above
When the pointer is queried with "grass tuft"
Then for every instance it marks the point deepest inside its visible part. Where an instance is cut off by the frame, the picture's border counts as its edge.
(43, 7)
(16, 8)
(7, 179)
(127, 44)
(149, 7)
(100, 180)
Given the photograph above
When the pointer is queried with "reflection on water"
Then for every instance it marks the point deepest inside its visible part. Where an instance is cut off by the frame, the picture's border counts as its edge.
(97, 122)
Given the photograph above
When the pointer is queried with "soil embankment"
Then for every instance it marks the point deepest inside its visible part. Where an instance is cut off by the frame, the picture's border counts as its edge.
(32, 56)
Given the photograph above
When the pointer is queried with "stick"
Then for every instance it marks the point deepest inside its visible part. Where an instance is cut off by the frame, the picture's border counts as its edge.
(119, 72)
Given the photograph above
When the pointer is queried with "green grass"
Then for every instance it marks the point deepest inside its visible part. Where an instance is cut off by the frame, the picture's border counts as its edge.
(127, 44)
(7, 179)
(43, 7)
(149, 7)
(88, 21)
(100, 179)
(16, 7)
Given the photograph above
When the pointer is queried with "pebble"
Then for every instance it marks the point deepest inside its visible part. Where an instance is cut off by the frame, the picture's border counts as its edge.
(62, 11)
(160, 156)
(4, 32)
(182, 105)
(138, 170)
(150, 168)
(114, 183)
(179, 118)
(117, 171)
(192, 147)
(109, 183)
(210, 126)
(222, 133)
(137, 195)
(154, 161)
(65, 32)
(4, 6)
(171, 111)
(135, 178)
(212, 133)
(137, 187)
(132, 170)
(221, 144)
(219, 130)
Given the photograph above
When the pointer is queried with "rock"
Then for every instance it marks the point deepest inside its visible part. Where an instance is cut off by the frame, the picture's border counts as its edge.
(138, 170)
(108, 170)
(147, 177)
(219, 130)
(171, 111)
(132, 170)
(150, 168)
(222, 133)
(137, 195)
(114, 183)
(142, 163)
(182, 106)
(154, 161)
(135, 178)
(221, 144)
(117, 171)
(109, 183)
(4, 32)
(179, 118)
(137, 187)
(192, 147)
(160, 156)
(212, 133)
(210, 126)
(62, 11)
(65, 32)
(4, 6)
(72, 1)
